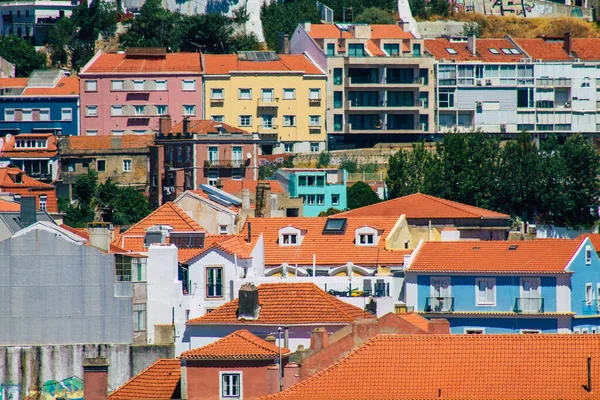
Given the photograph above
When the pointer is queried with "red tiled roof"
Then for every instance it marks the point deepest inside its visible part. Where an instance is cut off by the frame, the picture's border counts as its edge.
(205, 126)
(234, 245)
(13, 82)
(389, 32)
(239, 345)
(9, 206)
(6, 180)
(235, 186)
(419, 206)
(9, 149)
(586, 48)
(534, 256)
(288, 304)
(327, 31)
(437, 48)
(540, 48)
(492, 367)
(173, 62)
(374, 50)
(160, 381)
(222, 64)
(104, 142)
(66, 86)
(594, 238)
(415, 319)
(329, 249)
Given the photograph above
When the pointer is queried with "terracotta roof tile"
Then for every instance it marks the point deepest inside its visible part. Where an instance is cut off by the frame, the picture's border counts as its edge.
(239, 345)
(586, 48)
(288, 304)
(160, 381)
(534, 256)
(415, 319)
(235, 186)
(594, 238)
(233, 244)
(9, 149)
(9, 206)
(6, 180)
(437, 48)
(66, 86)
(13, 82)
(84, 234)
(205, 126)
(104, 142)
(492, 367)
(374, 50)
(329, 249)
(118, 63)
(327, 31)
(420, 206)
(222, 64)
(390, 31)
(540, 48)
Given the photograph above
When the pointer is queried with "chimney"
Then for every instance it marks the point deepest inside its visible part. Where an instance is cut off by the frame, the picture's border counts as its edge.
(291, 375)
(28, 210)
(318, 339)
(100, 235)
(307, 26)
(589, 374)
(568, 44)
(248, 306)
(249, 238)
(186, 124)
(245, 199)
(284, 43)
(95, 379)
(472, 44)
(438, 326)
(403, 25)
(272, 379)
(286, 337)
(165, 124)
(267, 199)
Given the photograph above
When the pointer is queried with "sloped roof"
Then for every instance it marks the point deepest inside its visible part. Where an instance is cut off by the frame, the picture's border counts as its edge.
(534, 256)
(329, 249)
(13, 82)
(6, 180)
(160, 381)
(9, 206)
(288, 304)
(233, 245)
(223, 64)
(239, 345)
(66, 86)
(188, 63)
(594, 239)
(437, 48)
(103, 142)
(9, 149)
(422, 206)
(330, 31)
(205, 126)
(493, 367)
(546, 50)
(84, 234)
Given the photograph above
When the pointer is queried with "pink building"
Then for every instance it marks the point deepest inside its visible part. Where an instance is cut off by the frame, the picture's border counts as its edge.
(127, 92)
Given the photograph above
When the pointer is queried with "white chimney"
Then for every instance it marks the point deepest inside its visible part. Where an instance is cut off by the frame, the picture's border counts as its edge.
(472, 44)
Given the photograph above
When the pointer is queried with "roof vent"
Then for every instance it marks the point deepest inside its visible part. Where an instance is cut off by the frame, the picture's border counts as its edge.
(476, 248)
(514, 247)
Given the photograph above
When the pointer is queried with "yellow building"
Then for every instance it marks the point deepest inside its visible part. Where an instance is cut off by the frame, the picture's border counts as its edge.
(279, 96)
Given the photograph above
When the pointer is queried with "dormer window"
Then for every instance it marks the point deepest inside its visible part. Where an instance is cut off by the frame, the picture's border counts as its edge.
(289, 239)
(367, 236)
(290, 236)
(366, 239)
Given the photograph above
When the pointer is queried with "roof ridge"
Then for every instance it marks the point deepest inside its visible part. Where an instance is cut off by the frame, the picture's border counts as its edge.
(334, 301)
(453, 204)
(130, 381)
(248, 336)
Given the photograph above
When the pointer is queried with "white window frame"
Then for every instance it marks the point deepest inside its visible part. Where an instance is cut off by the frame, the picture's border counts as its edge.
(314, 149)
(289, 239)
(138, 85)
(585, 331)
(91, 85)
(161, 85)
(125, 161)
(240, 120)
(212, 178)
(218, 118)
(139, 317)
(188, 85)
(91, 111)
(113, 109)
(486, 303)
(10, 115)
(333, 202)
(589, 294)
(285, 147)
(192, 109)
(314, 94)
(314, 120)
(43, 201)
(117, 85)
(46, 112)
(588, 255)
(214, 94)
(288, 91)
(91, 132)
(223, 229)
(222, 375)
(117, 132)
(474, 331)
(29, 113)
(263, 123)
(244, 90)
(289, 120)
(366, 239)
(270, 94)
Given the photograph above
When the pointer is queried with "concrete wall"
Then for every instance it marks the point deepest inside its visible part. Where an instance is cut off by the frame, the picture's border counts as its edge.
(208, 213)
(51, 372)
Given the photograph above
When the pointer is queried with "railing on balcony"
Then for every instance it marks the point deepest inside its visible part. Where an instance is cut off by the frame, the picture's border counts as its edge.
(214, 290)
(439, 304)
(529, 305)
(268, 101)
(377, 289)
(239, 163)
(590, 307)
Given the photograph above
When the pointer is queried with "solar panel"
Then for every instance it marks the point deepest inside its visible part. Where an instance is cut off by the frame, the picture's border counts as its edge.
(258, 56)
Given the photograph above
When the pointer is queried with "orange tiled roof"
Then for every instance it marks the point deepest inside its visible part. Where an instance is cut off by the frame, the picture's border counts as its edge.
(6, 180)
(13, 82)
(329, 249)
(222, 64)
(84, 234)
(327, 31)
(288, 304)
(9, 206)
(239, 345)
(419, 206)
(374, 50)
(594, 238)
(66, 86)
(160, 381)
(534, 256)
(104, 142)
(586, 48)
(415, 319)
(540, 48)
(389, 32)
(9, 149)
(205, 126)
(492, 367)
(437, 48)
(117, 63)
(235, 186)
(233, 244)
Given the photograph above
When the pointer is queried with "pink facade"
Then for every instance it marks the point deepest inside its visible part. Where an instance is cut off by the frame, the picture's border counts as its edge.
(127, 94)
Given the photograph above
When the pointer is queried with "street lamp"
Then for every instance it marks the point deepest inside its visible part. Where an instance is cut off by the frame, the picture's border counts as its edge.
(280, 366)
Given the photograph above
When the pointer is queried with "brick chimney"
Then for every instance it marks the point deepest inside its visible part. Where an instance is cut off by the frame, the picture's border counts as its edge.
(318, 339)
(165, 124)
(272, 379)
(568, 44)
(248, 307)
(245, 199)
(95, 379)
(439, 326)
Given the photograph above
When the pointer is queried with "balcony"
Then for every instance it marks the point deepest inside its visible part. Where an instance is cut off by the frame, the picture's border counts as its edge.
(214, 291)
(590, 307)
(529, 305)
(314, 129)
(382, 106)
(439, 305)
(556, 82)
(268, 102)
(314, 102)
(391, 129)
(222, 164)
(377, 289)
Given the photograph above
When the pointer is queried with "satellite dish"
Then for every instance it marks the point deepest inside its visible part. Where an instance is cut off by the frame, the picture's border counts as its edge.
(248, 155)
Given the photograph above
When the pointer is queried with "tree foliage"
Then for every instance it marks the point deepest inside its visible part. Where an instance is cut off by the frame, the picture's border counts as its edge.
(374, 15)
(155, 26)
(349, 164)
(557, 183)
(267, 171)
(423, 10)
(21, 53)
(324, 159)
(283, 17)
(330, 211)
(360, 194)
(356, 7)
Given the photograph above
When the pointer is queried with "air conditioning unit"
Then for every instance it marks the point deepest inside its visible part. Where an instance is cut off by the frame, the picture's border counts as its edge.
(523, 60)
(442, 60)
(538, 60)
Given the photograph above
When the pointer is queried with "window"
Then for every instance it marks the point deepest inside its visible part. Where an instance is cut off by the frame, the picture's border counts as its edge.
(188, 85)
(338, 99)
(231, 384)
(314, 94)
(91, 111)
(214, 282)
(216, 94)
(290, 238)
(289, 120)
(356, 50)
(116, 111)
(91, 86)
(289, 94)
(588, 255)
(27, 115)
(267, 121)
(589, 294)
(100, 165)
(213, 177)
(320, 199)
(161, 85)
(267, 95)
(189, 109)
(335, 199)
(9, 115)
(116, 85)
(236, 156)
(218, 118)
(92, 132)
(337, 76)
(45, 114)
(314, 120)
(446, 98)
(288, 147)
(139, 317)
(126, 165)
(485, 292)
(314, 147)
(494, 51)
(245, 120)
(43, 201)
(118, 132)
(474, 331)
(392, 49)
(222, 229)
(416, 50)
(245, 94)
(213, 155)
(366, 239)
(161, 110)
(330, 49)
(310, 200)
(139, 110)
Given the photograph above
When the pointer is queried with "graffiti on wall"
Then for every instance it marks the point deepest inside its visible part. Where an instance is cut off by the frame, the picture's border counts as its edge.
(524, 8)
(9, 391)
(70, 388)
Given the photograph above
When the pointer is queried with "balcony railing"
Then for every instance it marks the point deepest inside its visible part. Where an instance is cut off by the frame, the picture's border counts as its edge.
(590, 307)
(439, 304)
(268, 102)
(224, 163)
(529, 305)
(214, 291)
(377, 289)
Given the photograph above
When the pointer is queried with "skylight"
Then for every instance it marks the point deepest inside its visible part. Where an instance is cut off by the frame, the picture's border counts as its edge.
(515, 51)
(513, 247)
(335, 226)
(494, 51)
(450, 50)
(506, 51)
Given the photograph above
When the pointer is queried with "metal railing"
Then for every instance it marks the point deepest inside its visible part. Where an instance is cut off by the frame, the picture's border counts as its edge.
(376, 289)
(590, 307)
(439, 304)
(529, 305)
(224, 163)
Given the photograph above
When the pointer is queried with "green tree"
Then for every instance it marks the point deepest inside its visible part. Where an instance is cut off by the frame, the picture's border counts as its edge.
(21, 53)
(155, 26)
(360, 194)
(283, 17)
(330, 211)
(349, 164)
(85, 187)
(244, 42)
(207, 32)
(324, 159)
(407, 171)
(60, 35)
(471, 29)
(552, 199)
(440, 7)
(375, 15)
(125, 205)
(418, 8)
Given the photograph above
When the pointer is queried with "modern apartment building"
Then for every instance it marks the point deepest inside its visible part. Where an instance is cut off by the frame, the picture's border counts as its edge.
(508, 85)
(379, 88)
(280, 96)
(127, 92)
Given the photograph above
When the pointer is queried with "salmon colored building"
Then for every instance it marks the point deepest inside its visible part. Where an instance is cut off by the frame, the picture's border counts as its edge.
(15, 181)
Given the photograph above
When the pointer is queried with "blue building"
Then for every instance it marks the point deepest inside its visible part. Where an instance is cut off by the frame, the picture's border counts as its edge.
(46, 102)
(320, 189)
(544, 286)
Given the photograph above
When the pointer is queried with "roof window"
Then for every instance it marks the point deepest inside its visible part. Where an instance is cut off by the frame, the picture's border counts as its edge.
(450, 50)
(514, 247)
(510, 51)
(335, 226)
(493, 50)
